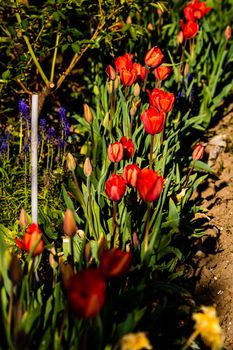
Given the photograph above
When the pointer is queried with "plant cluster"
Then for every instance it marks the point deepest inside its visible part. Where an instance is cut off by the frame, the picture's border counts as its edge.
(104, 265)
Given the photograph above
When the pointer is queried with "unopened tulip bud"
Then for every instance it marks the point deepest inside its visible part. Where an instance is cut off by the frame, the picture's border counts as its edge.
(150, 27)
(81, 234)
(110, 87)
(136, 90)
(111, 72)
(129, 20)
(69, 226)
(135, 240)
(88, 113)
(186, 69)
(132, 112)
(23, 219)
(198, 152)
(180, 37)
(116, 82)
(87, 251)
(70, 162)
(52, 262)
(227, 32)
(87, 168)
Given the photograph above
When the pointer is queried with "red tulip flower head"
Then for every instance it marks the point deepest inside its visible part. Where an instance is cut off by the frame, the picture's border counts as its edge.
(128, 147)
(162, 100)
(140, 71)
(115, 187)
(115, 152)
(32, 239)
(131, 174)
(86, 292)
(149, 185)
(115, 262)
(153, 120)
(153, 57)
(162, 72)
(189, 29)
(128, 77)
(124, 62)
(196, 10)
(198, 152)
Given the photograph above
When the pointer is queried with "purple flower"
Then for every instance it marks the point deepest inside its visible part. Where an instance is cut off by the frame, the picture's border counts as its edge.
(42, 124)
(66, 130)
(61, 143)
(4, 146)
(51, 133)
(23, 109)
(62, 114)
(26, 148)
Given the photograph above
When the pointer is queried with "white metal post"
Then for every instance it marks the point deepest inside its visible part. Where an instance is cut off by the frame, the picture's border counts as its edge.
(34, 156)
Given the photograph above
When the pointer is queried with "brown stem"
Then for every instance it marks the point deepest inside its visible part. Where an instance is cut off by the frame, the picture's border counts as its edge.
(188, 175)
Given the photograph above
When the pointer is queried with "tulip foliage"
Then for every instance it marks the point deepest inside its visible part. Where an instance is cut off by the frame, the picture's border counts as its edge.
(120, 152)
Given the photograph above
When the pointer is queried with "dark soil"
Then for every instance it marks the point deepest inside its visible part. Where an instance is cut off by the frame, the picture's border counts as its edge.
(215, 258)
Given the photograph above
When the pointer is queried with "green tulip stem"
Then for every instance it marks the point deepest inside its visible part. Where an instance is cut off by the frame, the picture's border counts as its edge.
(114, 222)
(146, 238)
(93, 151)
(190, 340)
(10, 310)
(20, 135)
(181, 62)
(151, 149)
(145, 80)
(89, 210)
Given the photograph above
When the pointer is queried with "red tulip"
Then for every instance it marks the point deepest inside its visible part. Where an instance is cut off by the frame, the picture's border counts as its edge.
(162, 100)
(115, 152)
(32, 238)
(128, 147)
(115, 262)
(111, 72)
(86, 292)
(140, 71)
(149, 185)
(198, 152)
(189, 12)
(200, 9)
(153, 120)
(153, 57)
(115, 187)
(128, 77)
(124, 62)
(195, 10)
(131, 173)
(162, 72)
(189, 29)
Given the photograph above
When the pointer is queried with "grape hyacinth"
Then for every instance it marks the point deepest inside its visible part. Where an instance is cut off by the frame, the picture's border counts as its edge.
(23, 110)
(42, 124)
(64, 123)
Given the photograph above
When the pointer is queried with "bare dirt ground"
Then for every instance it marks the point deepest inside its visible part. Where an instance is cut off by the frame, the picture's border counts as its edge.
(215, 258)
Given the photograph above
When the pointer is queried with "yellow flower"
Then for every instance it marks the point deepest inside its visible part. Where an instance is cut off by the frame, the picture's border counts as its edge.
(135, 341)
(208, 327)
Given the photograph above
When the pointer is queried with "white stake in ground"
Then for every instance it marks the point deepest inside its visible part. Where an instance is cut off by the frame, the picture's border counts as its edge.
(34, 158)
